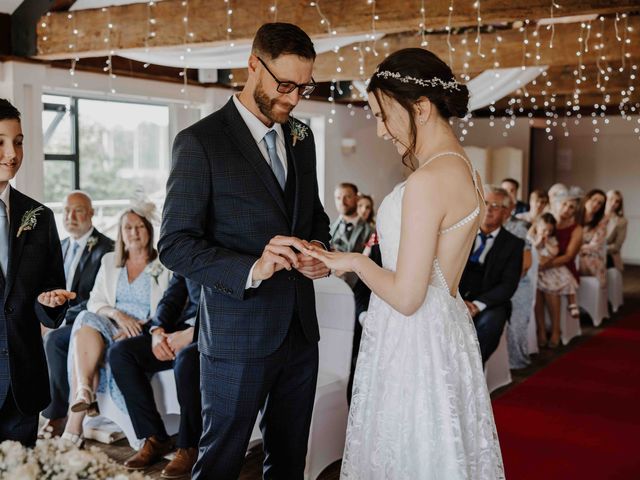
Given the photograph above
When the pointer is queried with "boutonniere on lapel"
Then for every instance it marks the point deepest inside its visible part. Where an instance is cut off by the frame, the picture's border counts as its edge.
(299, 130)
(91, 242)
(154, 269)
(29, 220)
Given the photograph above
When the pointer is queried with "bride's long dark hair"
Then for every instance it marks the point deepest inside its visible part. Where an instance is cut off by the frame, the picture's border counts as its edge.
(422, 64)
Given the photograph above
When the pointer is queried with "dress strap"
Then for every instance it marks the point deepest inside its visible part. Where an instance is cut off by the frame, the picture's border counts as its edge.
(474, 176)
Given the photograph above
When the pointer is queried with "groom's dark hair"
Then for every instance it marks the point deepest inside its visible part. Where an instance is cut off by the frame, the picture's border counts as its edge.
(8, 111)
(275, 39)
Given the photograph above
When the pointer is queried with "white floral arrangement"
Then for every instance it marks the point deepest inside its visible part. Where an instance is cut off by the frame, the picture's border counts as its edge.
(57, 459)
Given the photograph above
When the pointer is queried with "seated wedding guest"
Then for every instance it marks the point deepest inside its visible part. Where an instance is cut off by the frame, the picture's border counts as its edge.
(82, 252)
(170, 344)
(616, 229)
(128, 287)
(511, 185)
(32, 291)
(569, 236)
(522, 299)
(492, 273)
(538, 203)
(592, 256)
(366, 211)
(349, 232)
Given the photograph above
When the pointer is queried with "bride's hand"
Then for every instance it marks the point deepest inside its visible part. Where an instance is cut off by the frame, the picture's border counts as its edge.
(343, 262)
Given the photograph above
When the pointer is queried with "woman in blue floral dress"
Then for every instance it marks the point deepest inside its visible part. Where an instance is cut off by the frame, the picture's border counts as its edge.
(128, 287)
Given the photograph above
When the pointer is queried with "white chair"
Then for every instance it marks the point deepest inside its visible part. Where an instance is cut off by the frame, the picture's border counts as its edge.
(614, 288)
(496, 370)
(164, 390)
(593, 298)
(336, 314)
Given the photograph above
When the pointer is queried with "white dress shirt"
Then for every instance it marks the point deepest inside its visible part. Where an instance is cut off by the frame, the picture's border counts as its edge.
(258, 130)
(82, 243)
(489, 243)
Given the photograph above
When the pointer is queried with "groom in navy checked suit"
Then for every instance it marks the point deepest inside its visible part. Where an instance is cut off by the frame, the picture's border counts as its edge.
(242, 194)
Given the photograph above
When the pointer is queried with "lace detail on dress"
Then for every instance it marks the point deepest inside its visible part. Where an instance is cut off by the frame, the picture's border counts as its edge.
(420, 407)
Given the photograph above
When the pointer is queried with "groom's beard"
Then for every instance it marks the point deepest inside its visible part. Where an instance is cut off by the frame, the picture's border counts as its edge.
(266, 104)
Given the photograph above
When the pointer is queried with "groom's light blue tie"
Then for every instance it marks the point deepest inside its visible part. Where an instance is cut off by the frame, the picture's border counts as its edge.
(4, 238)
(276, 163)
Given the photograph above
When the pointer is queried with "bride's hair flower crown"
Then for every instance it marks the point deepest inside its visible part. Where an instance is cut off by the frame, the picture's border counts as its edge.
(430, 82)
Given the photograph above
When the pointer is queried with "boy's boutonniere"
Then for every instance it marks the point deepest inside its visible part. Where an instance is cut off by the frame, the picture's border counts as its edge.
(91, 242)
(299, 130)
(154, 269)
(29, 220)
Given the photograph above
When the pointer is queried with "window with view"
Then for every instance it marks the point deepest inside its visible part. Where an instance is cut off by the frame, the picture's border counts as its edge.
(109, 149)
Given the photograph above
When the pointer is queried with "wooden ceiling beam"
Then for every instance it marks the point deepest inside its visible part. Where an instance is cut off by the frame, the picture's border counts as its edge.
(209, 25)
(509, 51)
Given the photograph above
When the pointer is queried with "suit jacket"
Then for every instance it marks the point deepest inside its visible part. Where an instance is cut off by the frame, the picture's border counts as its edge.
(35, 266)
(86, 271)
(178, 304)
(502, 270)
(357, 240)
(223, 206)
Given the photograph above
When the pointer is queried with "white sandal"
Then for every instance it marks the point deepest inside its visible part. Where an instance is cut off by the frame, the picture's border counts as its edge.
(75, 440)
(82, 402)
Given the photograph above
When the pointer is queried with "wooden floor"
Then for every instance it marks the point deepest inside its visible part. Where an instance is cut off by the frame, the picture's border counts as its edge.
(252, 469)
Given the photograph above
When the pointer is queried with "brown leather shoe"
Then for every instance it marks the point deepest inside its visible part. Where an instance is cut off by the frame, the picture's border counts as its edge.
(151, 452)
(52, 428)
(182, 463)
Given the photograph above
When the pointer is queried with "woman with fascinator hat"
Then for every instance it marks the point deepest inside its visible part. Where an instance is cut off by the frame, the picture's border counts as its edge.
(420, 406)
(128, 287)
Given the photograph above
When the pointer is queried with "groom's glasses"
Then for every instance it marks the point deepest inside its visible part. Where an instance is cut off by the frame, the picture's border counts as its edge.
(304, 89)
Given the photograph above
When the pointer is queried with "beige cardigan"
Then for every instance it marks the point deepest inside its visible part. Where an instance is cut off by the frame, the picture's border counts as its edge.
(103, 293)
(616, 234)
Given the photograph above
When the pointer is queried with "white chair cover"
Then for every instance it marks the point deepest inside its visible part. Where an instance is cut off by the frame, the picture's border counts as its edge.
(593, 298)
(496, 370)
(615, 288)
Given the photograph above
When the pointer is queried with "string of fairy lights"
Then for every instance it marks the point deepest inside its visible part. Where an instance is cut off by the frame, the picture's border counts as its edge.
(613, 73)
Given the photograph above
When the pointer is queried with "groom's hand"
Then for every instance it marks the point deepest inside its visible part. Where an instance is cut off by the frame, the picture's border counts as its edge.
(311, 267)
(277, 255)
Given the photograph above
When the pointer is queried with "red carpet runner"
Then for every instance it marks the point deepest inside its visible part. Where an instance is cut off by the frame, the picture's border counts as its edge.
(579, 418)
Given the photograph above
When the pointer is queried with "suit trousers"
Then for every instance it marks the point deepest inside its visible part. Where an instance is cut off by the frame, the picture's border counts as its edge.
(489, 326)
(56, 348)
(132, 363)
(14, 425)
(282, 386)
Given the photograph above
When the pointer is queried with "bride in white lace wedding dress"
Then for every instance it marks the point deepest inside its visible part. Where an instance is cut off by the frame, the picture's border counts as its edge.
(420, 407)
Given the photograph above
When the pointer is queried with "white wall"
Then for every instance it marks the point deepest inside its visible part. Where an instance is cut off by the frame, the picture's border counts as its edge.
(375, 166)
(484, 136)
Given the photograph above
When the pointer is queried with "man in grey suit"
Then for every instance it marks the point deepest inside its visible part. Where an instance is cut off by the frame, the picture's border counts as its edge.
(242, 201)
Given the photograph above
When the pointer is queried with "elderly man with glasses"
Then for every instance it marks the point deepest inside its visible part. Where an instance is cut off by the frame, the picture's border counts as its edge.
(492, 273)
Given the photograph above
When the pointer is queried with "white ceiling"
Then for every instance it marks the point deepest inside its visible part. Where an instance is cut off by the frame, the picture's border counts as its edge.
(9, 6)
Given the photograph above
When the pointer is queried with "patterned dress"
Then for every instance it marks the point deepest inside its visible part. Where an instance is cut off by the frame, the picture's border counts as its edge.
(556, 280)
(131, 298)
(592, 259)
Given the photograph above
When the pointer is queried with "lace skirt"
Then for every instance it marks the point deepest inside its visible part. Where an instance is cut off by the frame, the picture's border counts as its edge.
(420, 406)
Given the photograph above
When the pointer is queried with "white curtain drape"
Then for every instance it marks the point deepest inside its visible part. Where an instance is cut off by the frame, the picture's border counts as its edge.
(223, 56)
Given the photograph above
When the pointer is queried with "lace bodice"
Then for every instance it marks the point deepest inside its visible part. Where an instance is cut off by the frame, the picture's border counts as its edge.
(389, 222)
